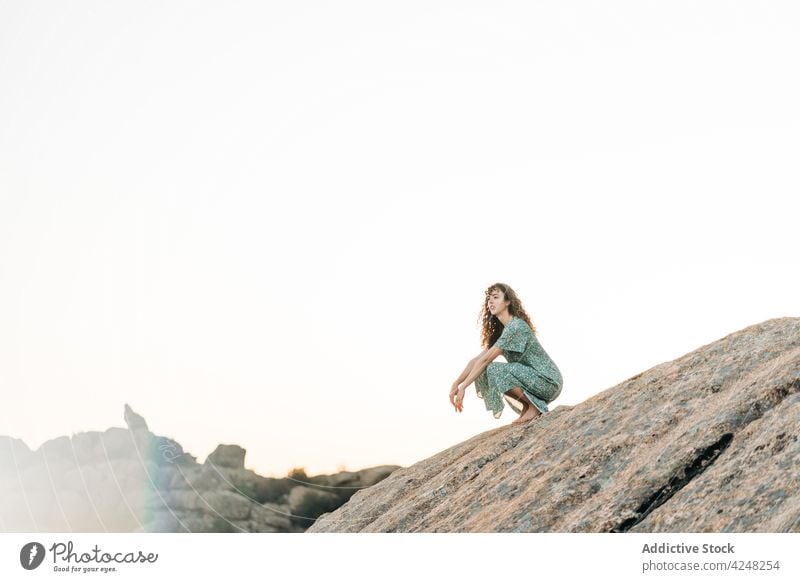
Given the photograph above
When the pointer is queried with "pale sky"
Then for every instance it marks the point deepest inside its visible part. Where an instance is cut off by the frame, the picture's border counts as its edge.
(272, 224)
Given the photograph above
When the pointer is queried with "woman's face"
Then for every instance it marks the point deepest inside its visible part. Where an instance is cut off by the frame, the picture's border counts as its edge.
(497, 302)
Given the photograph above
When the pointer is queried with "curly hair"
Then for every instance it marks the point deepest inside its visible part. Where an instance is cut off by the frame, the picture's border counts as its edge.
(491, 328)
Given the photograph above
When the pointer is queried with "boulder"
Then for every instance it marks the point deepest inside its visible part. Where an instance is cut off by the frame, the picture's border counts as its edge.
(705, 443)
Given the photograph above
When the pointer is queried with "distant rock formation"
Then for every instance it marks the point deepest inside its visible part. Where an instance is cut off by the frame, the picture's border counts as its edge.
(133, 420)
(125, 480)
(705, 443)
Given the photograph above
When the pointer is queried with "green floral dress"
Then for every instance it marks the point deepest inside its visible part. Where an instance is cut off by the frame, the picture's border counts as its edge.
(529, 367)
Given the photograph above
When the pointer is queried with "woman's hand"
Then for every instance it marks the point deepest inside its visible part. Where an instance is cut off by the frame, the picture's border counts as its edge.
(457, 397)
(453, 393)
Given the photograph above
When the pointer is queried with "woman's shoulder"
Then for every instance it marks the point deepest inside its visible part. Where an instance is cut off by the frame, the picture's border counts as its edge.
(521, 324)
(524, 328)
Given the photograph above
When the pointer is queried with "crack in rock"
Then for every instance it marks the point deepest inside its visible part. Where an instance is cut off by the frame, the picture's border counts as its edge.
(704, 460)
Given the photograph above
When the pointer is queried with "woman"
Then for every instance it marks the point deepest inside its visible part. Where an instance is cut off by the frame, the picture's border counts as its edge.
(530, 377)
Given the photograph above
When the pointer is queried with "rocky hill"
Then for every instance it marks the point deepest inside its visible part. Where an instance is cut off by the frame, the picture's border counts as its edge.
(705, 443)
(128, 479)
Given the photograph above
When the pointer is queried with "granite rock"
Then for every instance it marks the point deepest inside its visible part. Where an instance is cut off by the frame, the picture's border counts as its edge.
(707, 442)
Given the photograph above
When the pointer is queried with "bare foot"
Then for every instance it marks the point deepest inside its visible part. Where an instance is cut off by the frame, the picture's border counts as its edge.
(525, 407)
(529, 414)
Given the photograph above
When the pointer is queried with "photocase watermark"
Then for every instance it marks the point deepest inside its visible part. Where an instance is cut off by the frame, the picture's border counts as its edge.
(170, 452)
(65, 559)
(31, 555)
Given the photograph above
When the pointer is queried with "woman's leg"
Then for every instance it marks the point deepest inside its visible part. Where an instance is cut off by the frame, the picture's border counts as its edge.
(529, 411)
(504, 380)
(537, 389)
(519, 397)
(517, 394)
(529, 414)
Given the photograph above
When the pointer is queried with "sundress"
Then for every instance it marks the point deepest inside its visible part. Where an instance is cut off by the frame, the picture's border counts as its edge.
(528, 367)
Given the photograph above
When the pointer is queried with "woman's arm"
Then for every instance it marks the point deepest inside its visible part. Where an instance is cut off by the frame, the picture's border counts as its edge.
(473, 370)
(477, 367)
(465, 373)
(469, 367)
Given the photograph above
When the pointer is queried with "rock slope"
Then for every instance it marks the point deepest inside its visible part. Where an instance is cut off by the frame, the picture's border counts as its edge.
(705, 443)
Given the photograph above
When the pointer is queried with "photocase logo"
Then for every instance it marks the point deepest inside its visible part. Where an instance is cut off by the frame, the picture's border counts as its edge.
(31, 555)
(66, 558)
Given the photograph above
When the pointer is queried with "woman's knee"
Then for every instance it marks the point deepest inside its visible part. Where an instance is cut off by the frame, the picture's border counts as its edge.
(494, 369)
